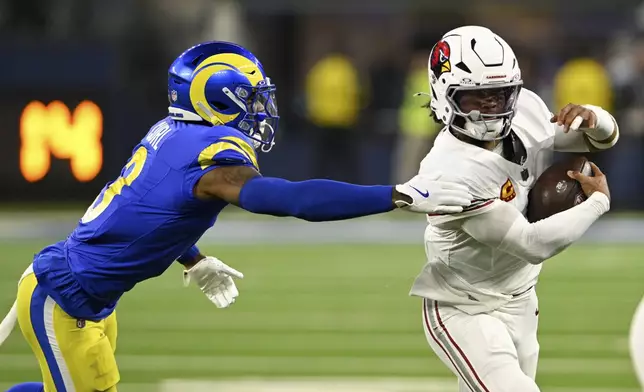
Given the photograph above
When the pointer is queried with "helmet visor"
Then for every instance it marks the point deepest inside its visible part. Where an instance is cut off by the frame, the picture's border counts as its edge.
(486, 101)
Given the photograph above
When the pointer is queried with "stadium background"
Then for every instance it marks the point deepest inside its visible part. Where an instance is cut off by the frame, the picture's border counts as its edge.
(323, 306)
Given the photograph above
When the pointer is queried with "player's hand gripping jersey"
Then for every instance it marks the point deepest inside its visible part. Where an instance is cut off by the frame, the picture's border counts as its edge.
(144, 220)
(479, 259)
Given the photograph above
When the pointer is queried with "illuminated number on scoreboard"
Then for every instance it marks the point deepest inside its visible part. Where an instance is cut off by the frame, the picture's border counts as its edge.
(53, 130)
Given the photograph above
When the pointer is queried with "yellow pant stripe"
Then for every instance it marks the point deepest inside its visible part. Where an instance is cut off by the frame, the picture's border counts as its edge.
(25, 293)
(74, 355)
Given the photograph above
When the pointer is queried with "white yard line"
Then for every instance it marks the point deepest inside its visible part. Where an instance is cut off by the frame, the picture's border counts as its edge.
(319, 385)
(313, 385)
(613, 366)
(339, 385)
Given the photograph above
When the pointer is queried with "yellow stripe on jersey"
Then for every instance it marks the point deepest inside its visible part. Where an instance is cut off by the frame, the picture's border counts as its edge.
(250, 151)
(207, 154)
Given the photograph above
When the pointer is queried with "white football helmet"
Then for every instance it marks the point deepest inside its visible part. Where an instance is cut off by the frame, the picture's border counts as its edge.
(475, 81)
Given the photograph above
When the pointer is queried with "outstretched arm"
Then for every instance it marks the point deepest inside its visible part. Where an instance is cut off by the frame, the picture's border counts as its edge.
(312, 200)
(324, 200)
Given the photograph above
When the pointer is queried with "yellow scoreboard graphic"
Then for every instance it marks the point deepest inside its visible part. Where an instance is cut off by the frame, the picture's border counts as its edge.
(58, 131)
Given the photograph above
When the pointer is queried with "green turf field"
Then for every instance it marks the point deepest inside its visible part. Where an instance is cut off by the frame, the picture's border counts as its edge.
(343, 311)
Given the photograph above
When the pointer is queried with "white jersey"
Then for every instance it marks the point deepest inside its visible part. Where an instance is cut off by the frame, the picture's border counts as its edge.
(460, 270)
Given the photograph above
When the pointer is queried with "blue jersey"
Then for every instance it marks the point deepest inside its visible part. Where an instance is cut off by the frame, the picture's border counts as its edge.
(144, 220)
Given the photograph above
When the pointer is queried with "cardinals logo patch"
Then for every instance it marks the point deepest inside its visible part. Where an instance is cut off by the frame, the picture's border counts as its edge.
(439, 59)
(507, 191)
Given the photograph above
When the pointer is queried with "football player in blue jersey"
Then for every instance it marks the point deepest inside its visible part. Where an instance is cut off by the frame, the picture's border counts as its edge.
(188, 167)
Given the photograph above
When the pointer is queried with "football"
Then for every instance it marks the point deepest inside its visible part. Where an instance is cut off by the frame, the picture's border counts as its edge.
(554, 191)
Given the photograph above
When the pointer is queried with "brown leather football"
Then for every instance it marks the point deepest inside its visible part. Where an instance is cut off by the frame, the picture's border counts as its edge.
(554, 191)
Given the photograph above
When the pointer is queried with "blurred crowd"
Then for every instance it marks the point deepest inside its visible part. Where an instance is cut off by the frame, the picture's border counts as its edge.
(347, 73)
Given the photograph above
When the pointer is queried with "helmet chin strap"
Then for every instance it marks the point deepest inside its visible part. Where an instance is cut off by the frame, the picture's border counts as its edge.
(262, 128)
(476, 125)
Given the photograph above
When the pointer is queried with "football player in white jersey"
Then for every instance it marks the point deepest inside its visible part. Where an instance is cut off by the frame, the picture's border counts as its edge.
(636, 342)
(480, 308)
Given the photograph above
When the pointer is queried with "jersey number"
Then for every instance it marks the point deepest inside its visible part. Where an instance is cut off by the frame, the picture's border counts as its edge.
(130, 172)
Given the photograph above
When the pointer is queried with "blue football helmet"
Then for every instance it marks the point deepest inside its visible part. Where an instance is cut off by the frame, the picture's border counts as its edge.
(224, 84)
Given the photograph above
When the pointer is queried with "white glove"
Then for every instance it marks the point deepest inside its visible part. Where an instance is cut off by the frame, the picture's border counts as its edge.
(215, 279)
(433, 196)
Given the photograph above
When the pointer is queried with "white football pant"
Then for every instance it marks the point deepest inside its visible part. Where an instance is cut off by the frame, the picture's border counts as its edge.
(636, 342)
(488, 352)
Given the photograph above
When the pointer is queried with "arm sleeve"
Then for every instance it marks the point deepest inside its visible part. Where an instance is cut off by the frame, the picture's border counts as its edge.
(501, 226)
(314, 200)
(571, 141)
